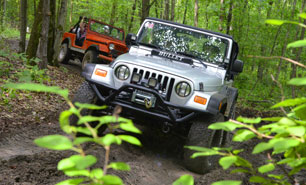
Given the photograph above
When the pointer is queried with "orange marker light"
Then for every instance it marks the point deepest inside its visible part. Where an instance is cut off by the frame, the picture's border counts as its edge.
(101, 72)
(200, 100)
(220, 105)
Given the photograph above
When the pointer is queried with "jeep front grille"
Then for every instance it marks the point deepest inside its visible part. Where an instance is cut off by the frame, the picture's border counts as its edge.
(166, 82)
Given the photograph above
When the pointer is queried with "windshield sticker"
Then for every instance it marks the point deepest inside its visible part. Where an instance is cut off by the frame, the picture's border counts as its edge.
(149, 25)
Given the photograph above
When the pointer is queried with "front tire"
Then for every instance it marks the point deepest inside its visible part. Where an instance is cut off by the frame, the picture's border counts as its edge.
(200, 135)
(90, 56)
(86, 94)
(64, 54)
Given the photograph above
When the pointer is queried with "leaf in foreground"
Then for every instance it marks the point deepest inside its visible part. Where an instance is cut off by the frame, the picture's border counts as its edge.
(71, 182)
(54, 142)
(227, 161)
(184, 180)
(227, 182)
(38, 88)
(120, 166)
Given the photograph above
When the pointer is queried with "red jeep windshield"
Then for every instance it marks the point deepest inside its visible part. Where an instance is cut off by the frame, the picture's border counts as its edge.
(106, 30)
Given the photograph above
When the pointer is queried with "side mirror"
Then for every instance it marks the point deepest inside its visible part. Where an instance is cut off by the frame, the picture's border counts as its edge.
(237, 66)
(130, 39)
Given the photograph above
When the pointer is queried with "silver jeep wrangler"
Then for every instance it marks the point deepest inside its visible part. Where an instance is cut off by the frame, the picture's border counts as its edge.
(175, 76)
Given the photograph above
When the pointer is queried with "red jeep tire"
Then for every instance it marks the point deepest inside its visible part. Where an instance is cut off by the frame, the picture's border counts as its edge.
(90, 56)
(64, 54)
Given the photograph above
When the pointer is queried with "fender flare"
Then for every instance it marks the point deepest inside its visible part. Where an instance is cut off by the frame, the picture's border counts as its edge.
(217, 103)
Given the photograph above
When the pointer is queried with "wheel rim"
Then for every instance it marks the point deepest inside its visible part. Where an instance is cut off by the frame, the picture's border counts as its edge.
(86, 60)
(62, 53)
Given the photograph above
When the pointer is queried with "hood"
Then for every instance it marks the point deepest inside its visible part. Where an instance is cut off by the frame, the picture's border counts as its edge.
(212, 78)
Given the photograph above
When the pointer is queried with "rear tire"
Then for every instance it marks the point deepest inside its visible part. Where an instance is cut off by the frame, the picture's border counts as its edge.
(64, 54)
(200, 135)
(90, 56)
(86, 94)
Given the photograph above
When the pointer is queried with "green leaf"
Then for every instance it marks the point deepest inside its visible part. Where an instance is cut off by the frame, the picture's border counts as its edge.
(227, 182)
(201, 151)
(298, 43)
(54, 142)
(283, 144)
(249, 120)
(76, 172)
(260, 147)
(80, 140)
(300, 111)
(97, 173)
(243, 135)
(302, 15)
(275, 22)
(242, 162)
(83, 162)
(64, 121)
(71, 182)
(297, 131)
(279, 177)
(184, 180)
(290, 102)
(286, 160)
(227, 161)
(266, 168)
(111, 180)
(119, 166)
(88, 119)
(286, 122)
(38, 88)
(130, 139)
(129, 127)
(240, 170)
(273, 119)
(90, 106)
(227, 126)
(297, 81)
(109, 139)
(84, 130)
(65, 164)
(258, 179)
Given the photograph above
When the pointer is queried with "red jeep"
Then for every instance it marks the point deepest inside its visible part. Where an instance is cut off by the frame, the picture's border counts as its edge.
(92, 41)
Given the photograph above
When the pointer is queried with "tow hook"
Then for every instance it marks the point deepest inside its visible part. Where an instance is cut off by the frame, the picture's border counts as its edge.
(166, 127)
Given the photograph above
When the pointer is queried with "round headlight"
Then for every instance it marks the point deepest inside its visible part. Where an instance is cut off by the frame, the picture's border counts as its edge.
(111, 46)
(183, 89)
(122, 72)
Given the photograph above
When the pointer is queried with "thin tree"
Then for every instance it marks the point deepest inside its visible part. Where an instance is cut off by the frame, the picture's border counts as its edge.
(59, 31)
(167, 8)
(196, 12)
(113, 12)
(221, 16)
(51, 32)
(172, 10)
(43, 46)
(132, 16)
(23, 25)
(35, 33)
(185, 12)
(229, 17)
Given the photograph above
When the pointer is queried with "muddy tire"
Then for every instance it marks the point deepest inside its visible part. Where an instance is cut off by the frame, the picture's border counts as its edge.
(91, 56)
(200, 135)
(64, 54)
(86, 94)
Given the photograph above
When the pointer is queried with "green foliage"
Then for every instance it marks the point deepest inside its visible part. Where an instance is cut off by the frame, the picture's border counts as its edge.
(184, 180)
(79, 165)
(283, 136)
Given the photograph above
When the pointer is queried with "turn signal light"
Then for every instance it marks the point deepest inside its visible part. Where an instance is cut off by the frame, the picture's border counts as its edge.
(101, 72)
(200, 100)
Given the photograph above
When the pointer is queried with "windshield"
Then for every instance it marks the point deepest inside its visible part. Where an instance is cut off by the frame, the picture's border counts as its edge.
(106, 30)
(209, 48)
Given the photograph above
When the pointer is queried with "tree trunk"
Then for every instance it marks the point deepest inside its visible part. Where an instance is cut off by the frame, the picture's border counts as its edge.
(23, 25)
(71, 9)
(113, 13)
(229, 17)
(185, 12)
(172, 10)
(166, 11)
(297, 51)
(61, 21)
(145, 10)
(43, 46)
(132, 16)
(35, 33)
(51, 32)
(196, 12)
(34, 7)
(221, 16)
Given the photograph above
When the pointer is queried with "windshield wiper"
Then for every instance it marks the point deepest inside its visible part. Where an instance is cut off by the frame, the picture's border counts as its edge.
(149, 45)
(192, 56)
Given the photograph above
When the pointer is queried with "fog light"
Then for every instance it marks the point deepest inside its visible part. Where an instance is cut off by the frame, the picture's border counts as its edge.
(136, 78)
(111, 47)
(152, 82)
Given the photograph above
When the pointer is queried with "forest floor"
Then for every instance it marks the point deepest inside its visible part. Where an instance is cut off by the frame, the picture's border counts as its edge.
(31, 115)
